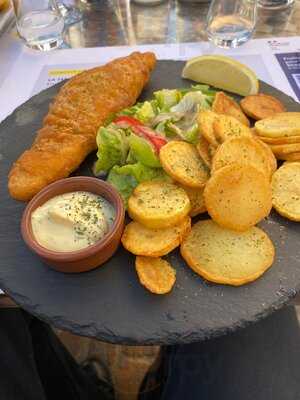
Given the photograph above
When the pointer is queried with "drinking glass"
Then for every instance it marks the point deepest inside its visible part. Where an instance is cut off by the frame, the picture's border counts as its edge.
(71, 14)
(39, 23)
(231, 23)
(275, 4)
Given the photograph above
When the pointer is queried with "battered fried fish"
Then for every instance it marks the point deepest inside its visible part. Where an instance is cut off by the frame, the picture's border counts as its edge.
(70, 127)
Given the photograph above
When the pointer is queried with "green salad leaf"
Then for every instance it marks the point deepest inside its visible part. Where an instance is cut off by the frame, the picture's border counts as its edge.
(141, 150)
(130, 159)
(166, 98)
(164, 129)
(141, 172)
(146, 112)
(181, 120)
(127, 177)
(191, 135)
(112, 148)
(205, 89)
(130, 111)
(123, 183)
(188, 133)
(191, 102)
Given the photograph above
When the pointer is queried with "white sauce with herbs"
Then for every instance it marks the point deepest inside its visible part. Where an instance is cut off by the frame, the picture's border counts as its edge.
(72, 221)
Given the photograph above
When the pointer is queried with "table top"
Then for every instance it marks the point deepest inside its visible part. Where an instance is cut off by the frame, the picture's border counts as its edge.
(122, 22)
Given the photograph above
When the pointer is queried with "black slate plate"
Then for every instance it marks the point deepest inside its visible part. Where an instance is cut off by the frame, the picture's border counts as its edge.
(109, 303)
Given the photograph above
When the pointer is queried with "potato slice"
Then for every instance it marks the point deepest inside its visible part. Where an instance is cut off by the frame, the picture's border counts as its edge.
(282, 149)
(223, 104)
(224, 256)
(289, 157)
(238, 196)
(242, 150)
(279, 125)
(197, 200)
(227, 127)
(143, 241)
(269, 154)
(286, 190)
(204, 151)
(158, 204)
(182, 162)
(280, 140)
(260, 106)
(206, 119)
(155, 274)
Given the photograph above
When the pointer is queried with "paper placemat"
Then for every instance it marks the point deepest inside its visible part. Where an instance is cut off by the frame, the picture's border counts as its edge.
(276, 61)
(6, 16)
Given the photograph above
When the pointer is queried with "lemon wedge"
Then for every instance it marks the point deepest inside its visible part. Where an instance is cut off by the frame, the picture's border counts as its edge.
(223, 73)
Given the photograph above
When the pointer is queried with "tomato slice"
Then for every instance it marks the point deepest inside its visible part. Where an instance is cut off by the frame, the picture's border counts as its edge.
(156, 140)
(128, 121)
(141, 130)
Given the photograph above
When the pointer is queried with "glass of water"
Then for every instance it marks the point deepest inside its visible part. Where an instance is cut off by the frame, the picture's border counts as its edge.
(275, 4)
(71, 14)
(231, 23)
(39, 23)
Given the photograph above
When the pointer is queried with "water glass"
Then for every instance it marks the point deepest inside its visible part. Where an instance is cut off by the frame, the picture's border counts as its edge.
(231, 23)
(275, 4)
(39, 23)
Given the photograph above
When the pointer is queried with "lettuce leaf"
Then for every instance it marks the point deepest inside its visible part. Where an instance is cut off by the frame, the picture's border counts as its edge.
(163, 129)
(130, 111)
(205, 89)
(190, 102)
(146, 113)
(141, 172)
(166, 98)
(113, 148)
(142, 151)
(123, 183)
(191, 135)
(188, 133)
(143, 111)
(130, 158)
(127, 177)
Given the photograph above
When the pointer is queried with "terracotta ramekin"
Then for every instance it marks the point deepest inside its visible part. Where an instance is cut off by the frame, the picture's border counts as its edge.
(92, 256)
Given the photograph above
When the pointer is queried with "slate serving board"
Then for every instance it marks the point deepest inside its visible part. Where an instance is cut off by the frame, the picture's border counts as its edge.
(108, 303)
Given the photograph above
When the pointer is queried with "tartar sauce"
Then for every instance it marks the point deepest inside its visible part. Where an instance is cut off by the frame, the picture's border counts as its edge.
(72, 221)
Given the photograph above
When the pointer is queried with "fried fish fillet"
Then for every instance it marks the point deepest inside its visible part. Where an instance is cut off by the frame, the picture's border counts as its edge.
(69, 129)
